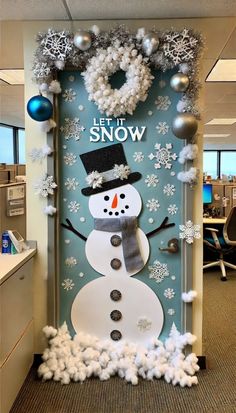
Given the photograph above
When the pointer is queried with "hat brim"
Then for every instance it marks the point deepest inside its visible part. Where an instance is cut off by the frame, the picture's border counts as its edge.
(115, 183)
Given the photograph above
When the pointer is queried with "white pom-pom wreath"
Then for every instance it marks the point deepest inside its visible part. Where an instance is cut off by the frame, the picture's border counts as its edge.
(140, 33)
(60, 64)
(49, 210)
(55, 87)
(184, 68)
(189, 176)
(116, 102)
(189, 296)
(95, 30)
(188, 153)
(76, 359)
(47, 125)
(43, 88)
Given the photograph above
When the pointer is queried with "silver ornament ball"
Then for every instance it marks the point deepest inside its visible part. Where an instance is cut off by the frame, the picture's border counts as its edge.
(179, 82)
(184, 126)
(150, 43)
(82, 40)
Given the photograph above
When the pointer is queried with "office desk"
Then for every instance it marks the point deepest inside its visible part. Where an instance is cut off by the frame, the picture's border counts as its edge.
(214, 220)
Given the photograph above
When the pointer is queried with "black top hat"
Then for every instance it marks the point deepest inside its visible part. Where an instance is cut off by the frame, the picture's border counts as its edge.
(103, 161)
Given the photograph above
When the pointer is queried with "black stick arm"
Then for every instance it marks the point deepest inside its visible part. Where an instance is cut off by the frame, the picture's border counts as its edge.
(163, 225)
(70, 227)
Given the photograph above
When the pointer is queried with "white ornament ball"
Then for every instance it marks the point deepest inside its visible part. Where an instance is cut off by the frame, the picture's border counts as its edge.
(150, 43)
(179, 82)
(82, 40)
(184, 126)
(184, 68)
(60, 64)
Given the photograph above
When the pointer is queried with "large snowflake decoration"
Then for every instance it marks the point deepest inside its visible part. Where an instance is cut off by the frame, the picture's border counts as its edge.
(172, 209)
(67, 284)
(169, 293)
(180, 46)
(163, 102)
(152, 204)
(41, 70)
(73, 206)
(70, 158)
(71, 262)
(169, 190)
(162, 128)
(138, 157)
(69, 95)
(56, 45)
(45, 186)
(189, 232)
(72, 129)
(158, 271)
(71, 184)
(163, 156)
(151, 180)
(144, 324)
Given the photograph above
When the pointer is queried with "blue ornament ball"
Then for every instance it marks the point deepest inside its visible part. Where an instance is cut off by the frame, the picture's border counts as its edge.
(39, 108)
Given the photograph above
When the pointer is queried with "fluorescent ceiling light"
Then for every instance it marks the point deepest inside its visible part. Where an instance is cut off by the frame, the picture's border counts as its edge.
(12, 76)
(216, 135)
(223, 71)
(221, 121)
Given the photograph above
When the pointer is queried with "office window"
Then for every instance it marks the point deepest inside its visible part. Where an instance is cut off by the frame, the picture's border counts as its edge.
(210, 163)
(228, 163)
(21, 147)
(6, 145)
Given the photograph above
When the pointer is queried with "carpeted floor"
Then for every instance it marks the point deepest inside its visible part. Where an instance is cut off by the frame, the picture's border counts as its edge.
(215, 393)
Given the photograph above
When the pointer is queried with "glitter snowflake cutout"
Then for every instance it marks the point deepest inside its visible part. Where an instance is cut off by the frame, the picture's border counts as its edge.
(158, 271)
(151, 180)
(138, 157)
(71, 262)
(72, 129)
(69, 95)
(180, 47)
(67, 284)
(163, 102)
(45, 186)
(172, 209)
(163, 156)
(70, 158)
(169, 293)
(56, 45)
(144, 324)
(73, 206)
(169, 190)
(189, 232)
(71, 184)
(152, 204)
(162, 128)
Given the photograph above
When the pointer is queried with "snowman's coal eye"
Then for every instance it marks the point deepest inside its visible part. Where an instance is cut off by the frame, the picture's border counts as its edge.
(106, 198)
(122, 196)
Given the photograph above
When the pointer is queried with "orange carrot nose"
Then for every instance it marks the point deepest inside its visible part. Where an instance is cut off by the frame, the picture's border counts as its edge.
(114, 202)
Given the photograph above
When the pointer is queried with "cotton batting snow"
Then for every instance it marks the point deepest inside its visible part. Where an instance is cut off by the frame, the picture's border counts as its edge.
(188, 153)
(189, 176)
(76, 359)
(189, 296)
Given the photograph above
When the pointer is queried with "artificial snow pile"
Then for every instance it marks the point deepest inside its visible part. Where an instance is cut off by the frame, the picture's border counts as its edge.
(84, 356)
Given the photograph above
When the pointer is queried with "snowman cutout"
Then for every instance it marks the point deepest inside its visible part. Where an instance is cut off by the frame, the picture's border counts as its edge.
(115, 306)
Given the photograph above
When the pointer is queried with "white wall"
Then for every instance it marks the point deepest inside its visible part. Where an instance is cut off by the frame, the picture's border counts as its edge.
(37, 222)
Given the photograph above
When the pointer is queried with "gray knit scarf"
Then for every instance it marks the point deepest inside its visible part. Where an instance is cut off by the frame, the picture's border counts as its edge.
(128, 228)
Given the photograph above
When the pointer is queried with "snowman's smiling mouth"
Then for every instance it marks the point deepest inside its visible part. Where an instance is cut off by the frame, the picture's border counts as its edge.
(116, 213)
(113, 205)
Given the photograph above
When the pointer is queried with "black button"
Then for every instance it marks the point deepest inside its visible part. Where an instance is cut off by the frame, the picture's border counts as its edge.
(116, 315)
(115, 240)
(116, 335)
(115, 295)
(115, 264)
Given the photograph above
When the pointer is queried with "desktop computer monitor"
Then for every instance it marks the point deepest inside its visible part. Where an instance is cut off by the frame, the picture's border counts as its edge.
(207, 194)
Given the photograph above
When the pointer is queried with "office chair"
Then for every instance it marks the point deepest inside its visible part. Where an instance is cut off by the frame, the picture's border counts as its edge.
(221, 246)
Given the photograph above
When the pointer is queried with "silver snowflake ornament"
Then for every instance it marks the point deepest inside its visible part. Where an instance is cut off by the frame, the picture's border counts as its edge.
(169, 190)
(67, 284)
(180, 46)
(144, 323)
(72, 129)
(158, 271)
(169, 293)
(152, 204)
(189, 232)
(56, 44)
(45, 186)
(163, 102)
(162, 128)
(69, 95)
(151, 180)
(71, 184)
(163, 156)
